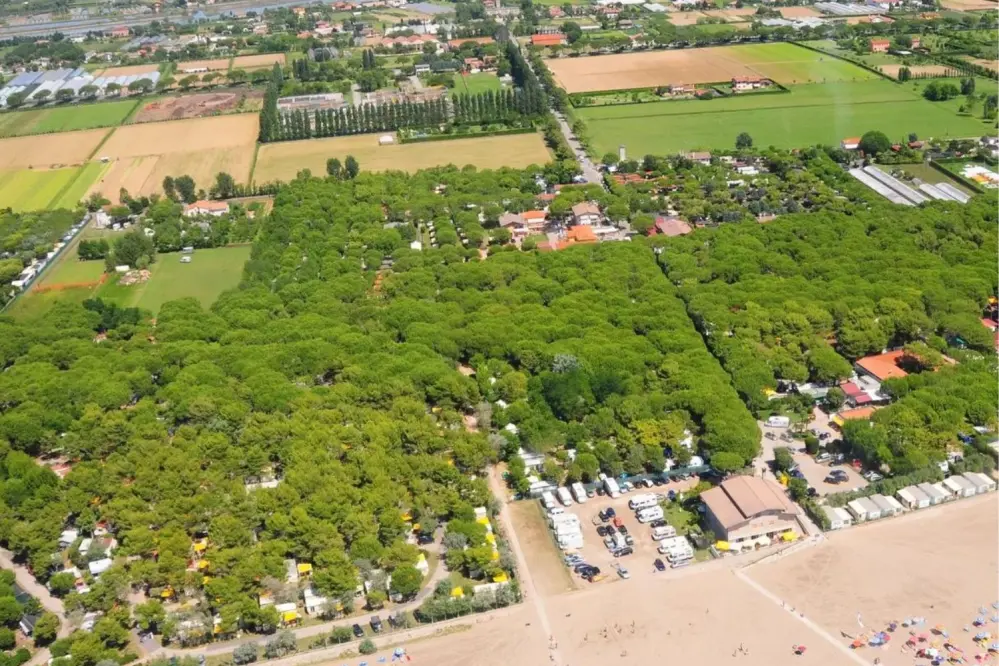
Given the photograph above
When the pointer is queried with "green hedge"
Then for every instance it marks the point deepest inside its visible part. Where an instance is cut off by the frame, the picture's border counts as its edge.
(468, 135)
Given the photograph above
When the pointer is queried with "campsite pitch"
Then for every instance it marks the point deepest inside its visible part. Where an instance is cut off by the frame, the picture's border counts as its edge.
(281, 161)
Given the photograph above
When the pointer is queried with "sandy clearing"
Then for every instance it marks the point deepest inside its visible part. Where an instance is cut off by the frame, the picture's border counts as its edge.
(685, 18)
(939, 563)
(646, 70)
(798, 12)
(64, 148)
(919, 70)
(182, 136)
(145, 174)
(129, 70)
(734, 15)
(211, 65)
(990, 64)
(551, 577)
(258, 61)
(281, 161)
(698, 618)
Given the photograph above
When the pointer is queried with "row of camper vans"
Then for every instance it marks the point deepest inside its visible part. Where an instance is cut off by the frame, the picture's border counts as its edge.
(565, 496)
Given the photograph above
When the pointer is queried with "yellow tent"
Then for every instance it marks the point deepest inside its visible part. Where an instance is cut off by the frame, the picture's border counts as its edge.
(722, 545)
(305, 568)
(490, 538)
(457, 593)
(482, 521)
(407, 516)
(203, 564)
(167, 592)
(838, 420)
(500, 577)
(289, 616)
(495, 554)
(200, 545)
(789, 536)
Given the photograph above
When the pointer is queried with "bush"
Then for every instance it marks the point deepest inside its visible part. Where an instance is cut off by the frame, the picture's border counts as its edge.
(811, 444)
(367, 646)
(341, 634)
(7, 638)
(245, 654)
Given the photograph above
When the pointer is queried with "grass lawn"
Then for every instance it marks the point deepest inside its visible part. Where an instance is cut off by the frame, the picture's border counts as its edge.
(41, 189)
(88, 174)
(211, 272)
(809, 114)
(790, 64)
(981, 85)
(477, 83)
(71, 269)
(33, 305)
(66, 118)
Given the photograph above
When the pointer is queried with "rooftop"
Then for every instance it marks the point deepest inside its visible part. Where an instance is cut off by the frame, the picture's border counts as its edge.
(741, 498)
(884, 366)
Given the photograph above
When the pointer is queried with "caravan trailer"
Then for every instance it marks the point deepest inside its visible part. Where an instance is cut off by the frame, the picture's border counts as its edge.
(579, 492)
(548, 500)
(564, 496)
(639, 502)
(650, 514)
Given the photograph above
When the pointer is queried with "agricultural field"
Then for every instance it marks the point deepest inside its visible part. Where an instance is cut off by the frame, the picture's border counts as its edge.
(219, 65)
(281, 161)
(920, 70)
(50, 150)
(65, 118)
(807, 115)
(128, 70)
(784, 63)
(142, 155)
(42, 189)
(251, 62)
(476, 83)
(210, 272)
(180, 107)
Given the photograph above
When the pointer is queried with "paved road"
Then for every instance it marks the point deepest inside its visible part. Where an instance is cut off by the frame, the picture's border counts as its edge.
(28, 583)
(590, 172)
(527, 588)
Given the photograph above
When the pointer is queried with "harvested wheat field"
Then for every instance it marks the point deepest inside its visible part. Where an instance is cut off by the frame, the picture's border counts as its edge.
(49, 150)
(143, 155)
(201, 65)
(180, 136)
(939, 563)
(968, 5)
(129, 70)
(920, 70)
(734, 15)
(798, 12)
(685, 18)
(647, 70)
(181, 107)
(281, 161)
(258, 61)
(989, 64)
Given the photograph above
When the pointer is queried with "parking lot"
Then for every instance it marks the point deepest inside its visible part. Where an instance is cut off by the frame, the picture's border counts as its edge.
(815, 474)
(640, 563)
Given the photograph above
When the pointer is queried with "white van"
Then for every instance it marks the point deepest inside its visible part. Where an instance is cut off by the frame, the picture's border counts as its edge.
(548, 499)
(564, 496)
(648, 515)
(555, 511)
(639, 502)
(660, 533)
(779, 422)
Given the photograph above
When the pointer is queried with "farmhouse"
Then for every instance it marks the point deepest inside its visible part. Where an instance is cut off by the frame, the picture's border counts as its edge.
(746, 509)
(670, 226)
(213, 208)
(882, 366)
(743, 83)
(851, 143)
(880, 45)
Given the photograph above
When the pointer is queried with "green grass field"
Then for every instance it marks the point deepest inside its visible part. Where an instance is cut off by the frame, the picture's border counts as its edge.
(66, 118)
(790, 64)
(809, 114)
(72, 270)
(476, 83)
(211, 272)
(41, 189)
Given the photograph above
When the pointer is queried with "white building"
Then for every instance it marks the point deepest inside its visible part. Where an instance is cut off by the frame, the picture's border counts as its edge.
(889, 505)
(981, 482)
(960, 486)
(913, 498)
(838, 517)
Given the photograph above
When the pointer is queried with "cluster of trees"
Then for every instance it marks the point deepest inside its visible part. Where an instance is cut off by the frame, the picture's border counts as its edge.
(270, 117)
(93, 248)
(353, 119)
(941, 91)
(25, 237)
(442, 606)
(500, 106)
(802, 299)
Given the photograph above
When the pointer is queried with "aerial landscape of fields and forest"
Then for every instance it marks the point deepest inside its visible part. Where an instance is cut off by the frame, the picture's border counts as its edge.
(465, 333)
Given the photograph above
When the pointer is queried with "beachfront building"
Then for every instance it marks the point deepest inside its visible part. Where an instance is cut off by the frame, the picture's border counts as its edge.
(746, 509)
(936, 496)
(864, 509)
(912, 497)
(888, 505)
(838, 517)
(981, 482)
(960, 486)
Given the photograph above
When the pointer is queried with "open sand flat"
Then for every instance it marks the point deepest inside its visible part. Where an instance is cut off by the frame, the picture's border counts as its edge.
(939, 563)
(734, 15)
(647, 70)
(129, 70)
(990, 64)
(514, 636)
(684, 18)
(181, 136)
(64, 148)
(258, 61)
(281, 161)
(699, 617)
(920, 70)
(798, 12)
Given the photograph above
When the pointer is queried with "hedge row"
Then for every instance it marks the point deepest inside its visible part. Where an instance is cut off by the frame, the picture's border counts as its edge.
(468, 135)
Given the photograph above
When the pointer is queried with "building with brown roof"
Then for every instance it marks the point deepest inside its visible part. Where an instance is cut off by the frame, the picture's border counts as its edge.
(586, 212)
(670, 226)
(880, 45)
(557, 39)
(746, 509)
(883, 366)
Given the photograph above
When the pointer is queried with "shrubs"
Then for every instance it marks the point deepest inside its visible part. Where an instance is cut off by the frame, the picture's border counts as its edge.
(367, 646)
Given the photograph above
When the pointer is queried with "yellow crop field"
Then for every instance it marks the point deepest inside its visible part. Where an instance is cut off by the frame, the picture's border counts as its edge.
(47, 150)
(281, 161)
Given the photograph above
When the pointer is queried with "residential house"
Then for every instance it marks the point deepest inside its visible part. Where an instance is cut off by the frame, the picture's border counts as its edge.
(581, 233)
(586, 213)
(850, 143)
(701, 157)
(880, 45)
(670, 226)
(120, 31)
(205, 207)
(98, 567)
(882, 366)
(744, 83)
(535, 220)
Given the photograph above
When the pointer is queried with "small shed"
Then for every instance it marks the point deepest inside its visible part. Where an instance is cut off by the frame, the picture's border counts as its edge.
(936, 497)
(981, 482)
(889, 505)
(947, 492)
(838, 517)
(863, 509)
(960, 486)
(913, 498)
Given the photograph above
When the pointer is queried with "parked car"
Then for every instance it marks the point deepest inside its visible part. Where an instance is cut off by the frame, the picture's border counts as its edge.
(610, 530)
(601, 531)
(601, 491)
(630, 540)
(623, 529)
(610, 512)
(770, 435)
(623, 573)
(358, 630)
(657, 481)
(812, 492)
(658, 523)
(823, 458)
(873, 476)
(648, 483)
(590, 493)
(622, 552)
(796, 473)
(376, 624)
(660, 566)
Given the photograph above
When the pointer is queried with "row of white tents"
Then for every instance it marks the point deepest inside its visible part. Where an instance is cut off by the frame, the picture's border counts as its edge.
(911, 498)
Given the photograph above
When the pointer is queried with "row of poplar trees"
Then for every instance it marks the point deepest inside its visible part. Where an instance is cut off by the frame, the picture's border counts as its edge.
(526, 100)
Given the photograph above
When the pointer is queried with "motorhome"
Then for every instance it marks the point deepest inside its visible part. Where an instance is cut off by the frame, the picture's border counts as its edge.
(648, 515)
(564, 496)
(548, 499)
(579, 492)
(639, 502)
(612, 488)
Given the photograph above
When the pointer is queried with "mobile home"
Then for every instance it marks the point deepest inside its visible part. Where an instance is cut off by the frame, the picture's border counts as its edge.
(650, 514)
(548, 499)
(936, 497)
(579, 492)
(863, 509)
(612, 488)
(564, 496)
(838, 517)
(981, 482)
(912, 497)
(639, 502)
(889, 505)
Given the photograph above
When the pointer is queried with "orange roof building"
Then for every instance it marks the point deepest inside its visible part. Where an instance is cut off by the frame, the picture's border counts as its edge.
(883, 366)
(857, 414)
(556, 39)
(580, 233)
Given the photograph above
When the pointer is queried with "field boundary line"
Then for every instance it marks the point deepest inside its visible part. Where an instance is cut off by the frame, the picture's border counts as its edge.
(253, 164)
(846, 60)
(65, 188)
(100, 145)
(761, 108)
